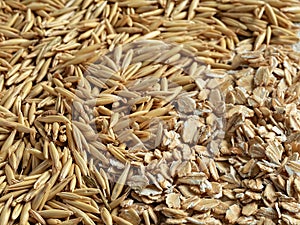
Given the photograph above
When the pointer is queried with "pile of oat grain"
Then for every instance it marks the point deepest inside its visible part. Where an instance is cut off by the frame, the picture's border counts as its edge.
(149, 112)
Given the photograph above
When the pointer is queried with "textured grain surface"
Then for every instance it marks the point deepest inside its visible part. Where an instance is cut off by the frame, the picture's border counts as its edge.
(149, 112)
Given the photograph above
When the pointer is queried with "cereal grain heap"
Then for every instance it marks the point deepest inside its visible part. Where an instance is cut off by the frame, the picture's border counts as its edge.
(149, 112)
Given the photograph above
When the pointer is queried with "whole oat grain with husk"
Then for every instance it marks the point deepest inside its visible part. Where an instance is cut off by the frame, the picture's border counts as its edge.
(220, 105)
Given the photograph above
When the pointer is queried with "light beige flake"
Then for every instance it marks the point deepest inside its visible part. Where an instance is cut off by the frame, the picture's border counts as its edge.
(190, 129)
(233, 213)
(173, 200)
(249, 209)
